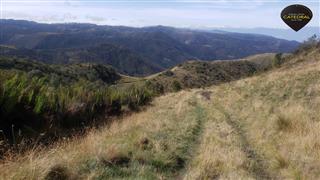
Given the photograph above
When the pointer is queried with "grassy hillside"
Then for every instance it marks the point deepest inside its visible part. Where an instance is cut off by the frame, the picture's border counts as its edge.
(265, 126)
(196, 74)
(261, 127)
(38, 98)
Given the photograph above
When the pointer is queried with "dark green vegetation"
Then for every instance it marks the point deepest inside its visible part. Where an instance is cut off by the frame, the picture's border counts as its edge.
(62, 74)
(45, 99)
(131, 51)
(123, 59)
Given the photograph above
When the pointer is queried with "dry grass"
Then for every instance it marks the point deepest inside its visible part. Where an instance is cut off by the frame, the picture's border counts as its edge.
(219, 155)
(276, 114)
(263, 127)
(120, 150)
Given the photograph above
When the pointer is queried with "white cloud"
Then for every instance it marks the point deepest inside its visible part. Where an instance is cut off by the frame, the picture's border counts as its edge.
(222, 13)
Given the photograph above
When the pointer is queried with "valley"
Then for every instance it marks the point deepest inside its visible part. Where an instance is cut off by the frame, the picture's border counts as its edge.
(131, 51)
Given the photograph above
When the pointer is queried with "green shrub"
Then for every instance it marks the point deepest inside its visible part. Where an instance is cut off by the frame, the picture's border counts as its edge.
(155, 87)
(176, 86)
(277, 60)
(310, 43)
(135, 96)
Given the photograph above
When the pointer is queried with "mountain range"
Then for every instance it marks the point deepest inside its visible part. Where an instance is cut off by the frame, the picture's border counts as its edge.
(131, 51)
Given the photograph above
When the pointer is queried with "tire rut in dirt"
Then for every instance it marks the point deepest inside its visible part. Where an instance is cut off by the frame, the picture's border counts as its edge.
(197, 131)
(256, 166)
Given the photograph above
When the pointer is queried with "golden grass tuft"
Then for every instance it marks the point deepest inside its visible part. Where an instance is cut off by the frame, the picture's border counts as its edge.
(283, 124)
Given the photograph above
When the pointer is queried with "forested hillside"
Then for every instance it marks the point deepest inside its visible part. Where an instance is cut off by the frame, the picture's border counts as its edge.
(132, 51)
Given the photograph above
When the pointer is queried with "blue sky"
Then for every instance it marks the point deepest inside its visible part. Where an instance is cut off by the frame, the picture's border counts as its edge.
(178, 13)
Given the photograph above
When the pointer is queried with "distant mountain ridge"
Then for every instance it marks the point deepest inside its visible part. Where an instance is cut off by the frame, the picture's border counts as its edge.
(287, 34)
(132, 51)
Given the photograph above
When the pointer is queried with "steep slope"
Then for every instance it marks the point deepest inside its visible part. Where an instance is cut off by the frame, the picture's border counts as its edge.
(158, 47)
(261, 127)
(264, 127)
(41, 102)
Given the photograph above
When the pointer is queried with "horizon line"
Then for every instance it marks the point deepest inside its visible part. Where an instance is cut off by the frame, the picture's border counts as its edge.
(155, 25)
